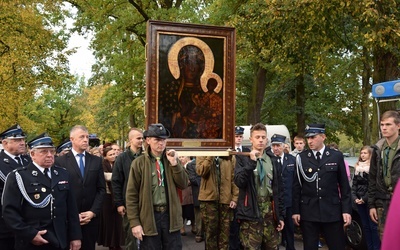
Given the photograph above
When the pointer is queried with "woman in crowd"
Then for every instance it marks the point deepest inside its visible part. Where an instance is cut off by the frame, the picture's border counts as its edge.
(360, 196)
(110, 234)
(95, 151)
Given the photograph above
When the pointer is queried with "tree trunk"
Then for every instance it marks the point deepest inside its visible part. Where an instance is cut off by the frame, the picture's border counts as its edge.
(300, 105)
(257, 97)
(365, 101)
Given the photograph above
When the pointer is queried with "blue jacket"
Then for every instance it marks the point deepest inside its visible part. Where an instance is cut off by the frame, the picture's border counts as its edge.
(288, 167)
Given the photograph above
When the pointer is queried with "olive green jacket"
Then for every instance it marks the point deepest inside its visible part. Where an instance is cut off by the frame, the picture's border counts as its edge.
(139, 197)
(224, 192)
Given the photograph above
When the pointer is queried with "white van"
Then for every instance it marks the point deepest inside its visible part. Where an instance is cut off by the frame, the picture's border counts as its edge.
(271, 130)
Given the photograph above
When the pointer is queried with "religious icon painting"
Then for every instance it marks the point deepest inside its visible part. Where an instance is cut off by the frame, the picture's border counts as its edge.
(190, 84)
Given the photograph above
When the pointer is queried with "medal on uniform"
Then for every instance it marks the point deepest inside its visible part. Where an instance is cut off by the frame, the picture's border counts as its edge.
(34, 173)
(37, 196)
(310, 170)
(43, 189)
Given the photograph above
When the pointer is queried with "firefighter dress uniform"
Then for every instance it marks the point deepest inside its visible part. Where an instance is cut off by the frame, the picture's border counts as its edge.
(34, 200)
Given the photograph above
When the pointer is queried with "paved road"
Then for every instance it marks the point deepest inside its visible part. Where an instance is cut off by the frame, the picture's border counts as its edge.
(189, 243)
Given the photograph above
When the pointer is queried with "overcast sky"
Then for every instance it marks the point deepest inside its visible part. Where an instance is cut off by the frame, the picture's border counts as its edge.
(81, 62)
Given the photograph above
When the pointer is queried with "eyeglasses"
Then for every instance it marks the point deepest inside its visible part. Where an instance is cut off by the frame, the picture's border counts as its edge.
(46, 151)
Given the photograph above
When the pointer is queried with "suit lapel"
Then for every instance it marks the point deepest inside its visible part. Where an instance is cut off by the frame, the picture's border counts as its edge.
(74, 165)
(11, 163)
(39, 175)
(312, 159)
(55, 177)
(284, 161)
(87, 164)
(325, 157)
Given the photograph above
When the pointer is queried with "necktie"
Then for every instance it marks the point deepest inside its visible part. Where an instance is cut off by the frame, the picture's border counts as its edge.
(238, 149)
(46, 173)
(18, 160)
(280, 162)
(318, 156)
(386, 160)
(261, 170)
(81, 164)
(160, 171)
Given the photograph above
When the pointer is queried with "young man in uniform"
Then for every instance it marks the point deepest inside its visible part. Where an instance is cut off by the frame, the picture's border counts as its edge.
(239, 131)
(384, 170)
(152, 202)
(218, 197)
(260, 205)
(321, 192)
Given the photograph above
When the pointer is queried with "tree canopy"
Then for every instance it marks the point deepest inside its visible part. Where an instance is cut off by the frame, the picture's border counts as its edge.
(298, 62)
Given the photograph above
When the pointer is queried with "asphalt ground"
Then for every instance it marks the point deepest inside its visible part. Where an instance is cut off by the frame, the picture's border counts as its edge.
(189, 242)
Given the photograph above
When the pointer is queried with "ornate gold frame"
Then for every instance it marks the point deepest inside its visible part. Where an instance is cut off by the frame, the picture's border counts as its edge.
(163, 87)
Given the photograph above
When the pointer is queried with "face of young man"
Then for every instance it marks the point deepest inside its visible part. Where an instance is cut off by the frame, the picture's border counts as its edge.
(389, 128)
(80, 140)
(135, 139)
(316, 142)
(238, 140)
(157, 145)
(299, 145)
(259, 139)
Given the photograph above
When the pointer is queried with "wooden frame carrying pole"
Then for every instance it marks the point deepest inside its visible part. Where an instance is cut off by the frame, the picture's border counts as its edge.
(211, 153)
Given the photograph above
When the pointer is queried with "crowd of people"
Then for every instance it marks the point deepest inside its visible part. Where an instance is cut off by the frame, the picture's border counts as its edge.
(72, 196)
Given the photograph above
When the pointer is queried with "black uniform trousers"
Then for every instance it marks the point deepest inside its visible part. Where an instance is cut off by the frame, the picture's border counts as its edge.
(165, 239)
(333, 233)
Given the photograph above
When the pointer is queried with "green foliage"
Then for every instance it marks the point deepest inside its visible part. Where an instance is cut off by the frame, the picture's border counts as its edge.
(297, 61)
(32, 58)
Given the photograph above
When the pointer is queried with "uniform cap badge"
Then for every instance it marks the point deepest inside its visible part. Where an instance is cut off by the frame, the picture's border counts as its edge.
(37, 196)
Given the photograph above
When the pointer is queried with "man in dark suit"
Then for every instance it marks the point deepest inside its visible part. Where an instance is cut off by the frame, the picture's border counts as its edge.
(38, 203)
(321, 192)
(11, 157)
(288, 163)
(87, 182)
